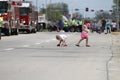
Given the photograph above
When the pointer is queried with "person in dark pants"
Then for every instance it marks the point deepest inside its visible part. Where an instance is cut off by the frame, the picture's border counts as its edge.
(66, 26)
(103, 22)
(108, 27)
(60, 24)
(80, 23)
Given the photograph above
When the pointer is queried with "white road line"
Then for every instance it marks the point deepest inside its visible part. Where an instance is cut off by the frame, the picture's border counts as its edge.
(8, 49)
(47, 40)
(54, 39)
(25, 45)
(37, 43)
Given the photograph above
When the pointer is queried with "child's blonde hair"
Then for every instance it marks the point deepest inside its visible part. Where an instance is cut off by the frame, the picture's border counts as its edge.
(58, 37)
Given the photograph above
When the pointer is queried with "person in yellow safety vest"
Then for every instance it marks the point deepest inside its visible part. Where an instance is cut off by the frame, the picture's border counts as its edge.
(72, 22)
(1, 25)
(72, 25)
(80, 25)
(66, 26)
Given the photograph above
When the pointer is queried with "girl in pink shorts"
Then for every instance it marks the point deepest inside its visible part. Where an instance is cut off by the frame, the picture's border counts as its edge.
(84, 34)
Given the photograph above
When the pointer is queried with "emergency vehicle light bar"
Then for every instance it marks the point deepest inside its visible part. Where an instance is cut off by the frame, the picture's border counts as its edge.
(25, 5)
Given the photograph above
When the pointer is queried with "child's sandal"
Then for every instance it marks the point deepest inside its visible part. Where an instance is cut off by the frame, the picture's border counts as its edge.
(58, 44)
(65, 45)
(77, 45)
(87, 45)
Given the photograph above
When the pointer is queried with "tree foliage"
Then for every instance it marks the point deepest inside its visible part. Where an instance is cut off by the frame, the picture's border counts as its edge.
(102, 15)
(77, 15)
(116, 8)
(56, 10)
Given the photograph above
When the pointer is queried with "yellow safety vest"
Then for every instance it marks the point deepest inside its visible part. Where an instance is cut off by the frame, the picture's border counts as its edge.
(80, 22)
(72, 22)
(1, 20)
(65, 24)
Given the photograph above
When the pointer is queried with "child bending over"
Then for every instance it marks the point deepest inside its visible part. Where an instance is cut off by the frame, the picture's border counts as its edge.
(61, 39)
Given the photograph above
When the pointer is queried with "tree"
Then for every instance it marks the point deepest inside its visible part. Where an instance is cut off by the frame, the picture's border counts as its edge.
(102, 15)
(77, 15)
(116, 9)
(56, 10)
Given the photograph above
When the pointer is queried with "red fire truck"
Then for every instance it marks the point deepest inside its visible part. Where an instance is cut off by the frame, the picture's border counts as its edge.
(27, 17)
(10, 13)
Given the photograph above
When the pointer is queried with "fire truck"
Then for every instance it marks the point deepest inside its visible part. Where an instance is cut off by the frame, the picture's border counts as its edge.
(10, 13)
(28, 17)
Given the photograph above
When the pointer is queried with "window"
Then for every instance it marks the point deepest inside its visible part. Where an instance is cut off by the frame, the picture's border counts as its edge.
(3, 6)
(24, 11)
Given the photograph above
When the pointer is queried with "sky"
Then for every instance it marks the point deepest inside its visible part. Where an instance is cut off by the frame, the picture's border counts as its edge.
(96, 5)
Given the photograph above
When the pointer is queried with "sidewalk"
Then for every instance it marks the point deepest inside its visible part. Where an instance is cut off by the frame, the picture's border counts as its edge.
(114, 64)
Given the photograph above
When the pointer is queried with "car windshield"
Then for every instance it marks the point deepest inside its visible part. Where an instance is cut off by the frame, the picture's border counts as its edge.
(3, 6)
(24, 11)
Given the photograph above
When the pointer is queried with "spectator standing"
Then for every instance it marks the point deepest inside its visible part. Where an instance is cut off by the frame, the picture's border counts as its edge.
(66, 26)
(114, 26)
(103, 22)
(108, 27)
(80, 23)
(72, 25)
(1, 25)
(60, 24)
(98, 27)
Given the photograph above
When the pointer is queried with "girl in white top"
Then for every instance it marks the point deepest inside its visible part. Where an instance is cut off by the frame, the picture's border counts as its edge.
(61, 38)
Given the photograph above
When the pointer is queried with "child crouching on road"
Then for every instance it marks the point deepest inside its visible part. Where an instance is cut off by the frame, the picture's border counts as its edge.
(61, 39)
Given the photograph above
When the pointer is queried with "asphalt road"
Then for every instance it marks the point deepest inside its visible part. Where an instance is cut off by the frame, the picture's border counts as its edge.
(36, 57)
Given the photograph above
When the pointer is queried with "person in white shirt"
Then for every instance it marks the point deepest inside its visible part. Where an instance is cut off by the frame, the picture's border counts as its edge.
(114, 26)
(62, 39)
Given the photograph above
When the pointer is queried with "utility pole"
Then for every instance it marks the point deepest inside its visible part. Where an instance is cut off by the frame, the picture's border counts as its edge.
(50, 10)
(46, 8)
(37, 5)
(118, 15)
